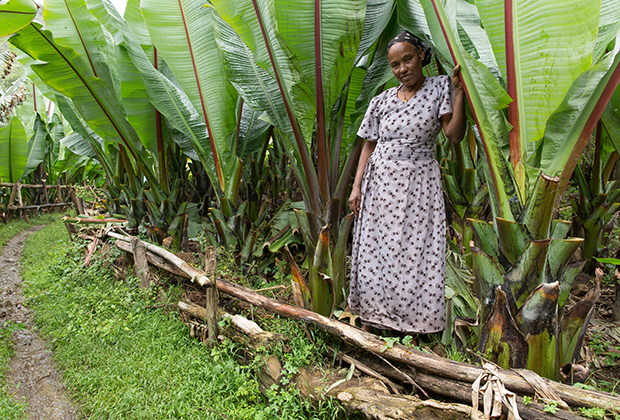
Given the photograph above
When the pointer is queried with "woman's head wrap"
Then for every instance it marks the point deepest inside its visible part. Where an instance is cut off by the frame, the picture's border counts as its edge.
(407, 36)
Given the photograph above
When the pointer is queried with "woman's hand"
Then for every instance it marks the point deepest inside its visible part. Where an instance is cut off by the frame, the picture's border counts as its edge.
(456, 80)
(355, 199)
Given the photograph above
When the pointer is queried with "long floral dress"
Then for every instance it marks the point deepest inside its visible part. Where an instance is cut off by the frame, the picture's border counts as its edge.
(398, 261)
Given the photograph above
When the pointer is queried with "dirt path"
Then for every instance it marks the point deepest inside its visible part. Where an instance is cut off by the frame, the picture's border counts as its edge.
(32, 373)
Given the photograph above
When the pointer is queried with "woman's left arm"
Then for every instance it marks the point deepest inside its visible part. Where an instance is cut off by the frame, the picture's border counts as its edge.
(454, 124)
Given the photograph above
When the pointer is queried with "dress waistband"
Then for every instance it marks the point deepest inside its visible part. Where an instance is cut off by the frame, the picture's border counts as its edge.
(403, 150)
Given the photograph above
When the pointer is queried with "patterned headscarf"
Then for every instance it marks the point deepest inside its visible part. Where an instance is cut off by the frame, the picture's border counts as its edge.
(407, 36)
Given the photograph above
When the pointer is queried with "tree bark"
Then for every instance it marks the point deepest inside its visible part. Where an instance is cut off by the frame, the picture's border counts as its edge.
(141, 264)
(430, 364)
(423, 362)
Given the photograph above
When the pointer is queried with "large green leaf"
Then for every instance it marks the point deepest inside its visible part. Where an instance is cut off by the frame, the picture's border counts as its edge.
(14, 146)
(486, 98)
(168, 98)
(184, 37)
(86, 143)
(570, 125)
(15, 15)
(36, 146)
(74, 26)
(61, 68)
(542, 59)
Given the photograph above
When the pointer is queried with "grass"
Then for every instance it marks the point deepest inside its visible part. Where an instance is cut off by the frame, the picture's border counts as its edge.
(123, 359)
(10, 408)
(8, 230)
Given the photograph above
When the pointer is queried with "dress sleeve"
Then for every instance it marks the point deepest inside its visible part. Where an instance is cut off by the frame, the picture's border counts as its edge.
(369, 129)
(445, 95)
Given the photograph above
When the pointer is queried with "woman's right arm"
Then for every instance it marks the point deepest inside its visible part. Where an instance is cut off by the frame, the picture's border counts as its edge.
(356, 193)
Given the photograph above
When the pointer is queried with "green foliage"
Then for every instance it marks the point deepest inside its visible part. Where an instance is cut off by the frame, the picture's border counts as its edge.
(123, 359)
(593, 412)
(9, 407)
(527, 400)
(551, 407)
(8, 230)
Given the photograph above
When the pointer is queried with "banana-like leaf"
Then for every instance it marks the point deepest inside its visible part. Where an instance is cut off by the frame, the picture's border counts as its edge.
(500, 339)
(36, 146)
(184, 37)
(560, 253)
(339, 258)
(537, 321)
(485, 237)
(14, 146)
(61, 68)
(88, 143)
(560, 228)
(569, 127)
(168, 98)
(322, 290)
(538, 213)
(575, 322)
(611, 119)
(261, 91)
(526, 274)
(15, 15)
(301, 291)
(609, 25)
(513, 239)
(74, 26)
(489, 275)
(537, 55)
(486, 98)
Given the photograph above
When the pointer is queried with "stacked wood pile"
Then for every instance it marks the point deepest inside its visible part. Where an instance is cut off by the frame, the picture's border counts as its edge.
(383, 372)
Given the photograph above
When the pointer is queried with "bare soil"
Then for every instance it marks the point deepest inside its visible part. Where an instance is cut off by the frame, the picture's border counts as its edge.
(32, 377)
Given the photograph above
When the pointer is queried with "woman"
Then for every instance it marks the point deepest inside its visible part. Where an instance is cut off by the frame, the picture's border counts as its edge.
(397, 269)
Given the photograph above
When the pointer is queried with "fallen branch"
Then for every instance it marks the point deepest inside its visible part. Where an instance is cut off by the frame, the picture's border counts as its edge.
(421, 361)
(38, 206)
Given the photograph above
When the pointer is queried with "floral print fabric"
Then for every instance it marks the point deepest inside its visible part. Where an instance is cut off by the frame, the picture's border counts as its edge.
(398, 260)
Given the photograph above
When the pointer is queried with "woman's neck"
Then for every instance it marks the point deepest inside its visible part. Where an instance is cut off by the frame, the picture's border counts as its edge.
(409, 92)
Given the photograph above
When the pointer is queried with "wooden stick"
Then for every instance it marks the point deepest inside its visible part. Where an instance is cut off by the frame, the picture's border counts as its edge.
(156, 260)
(39, 206)
(30, 186)
(423, 362)
(141, 264)
(420, 361)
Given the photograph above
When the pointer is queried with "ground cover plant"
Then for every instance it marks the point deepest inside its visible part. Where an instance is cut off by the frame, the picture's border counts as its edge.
(123, 356)
(10, 408)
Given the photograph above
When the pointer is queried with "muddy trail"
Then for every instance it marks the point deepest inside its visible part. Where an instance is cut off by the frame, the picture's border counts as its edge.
(32, 376)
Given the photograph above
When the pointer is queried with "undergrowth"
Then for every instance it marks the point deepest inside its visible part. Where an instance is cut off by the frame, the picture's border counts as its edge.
(8, 230)
(10, 408)
(124, 357)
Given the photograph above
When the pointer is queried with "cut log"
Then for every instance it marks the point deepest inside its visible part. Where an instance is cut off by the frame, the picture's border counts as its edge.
(156, 260)
(371, 398)
(192, 272)
(420, 361)
(141, 264)
(238, 328)
(430, 364)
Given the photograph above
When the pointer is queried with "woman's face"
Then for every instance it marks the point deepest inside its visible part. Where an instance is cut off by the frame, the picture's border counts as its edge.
(406, 62)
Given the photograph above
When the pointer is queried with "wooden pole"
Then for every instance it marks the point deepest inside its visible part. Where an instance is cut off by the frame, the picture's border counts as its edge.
(428, 363)
(211, 296)
(141, 264)
(207, 280)
(424, 362)
(47, 197)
